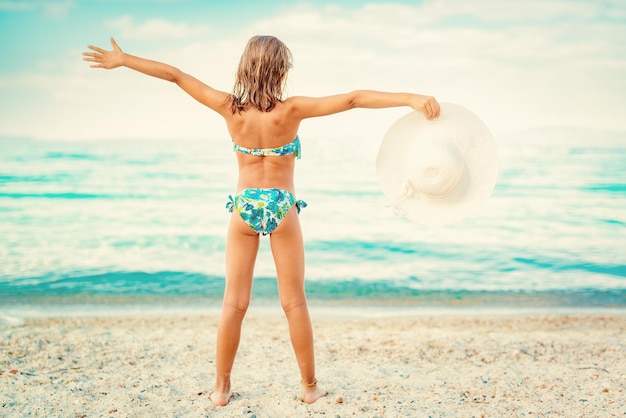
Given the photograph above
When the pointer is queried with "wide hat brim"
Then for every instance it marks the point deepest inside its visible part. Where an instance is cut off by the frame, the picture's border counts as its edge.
(435, 172)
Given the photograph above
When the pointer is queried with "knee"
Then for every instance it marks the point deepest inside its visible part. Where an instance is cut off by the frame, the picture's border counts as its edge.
(236, 306)
(293, 304)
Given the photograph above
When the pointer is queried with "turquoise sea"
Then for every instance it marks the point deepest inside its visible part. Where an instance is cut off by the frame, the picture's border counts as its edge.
(117, 223)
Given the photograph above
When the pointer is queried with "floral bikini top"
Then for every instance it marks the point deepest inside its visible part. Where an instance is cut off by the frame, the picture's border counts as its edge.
(293, 147)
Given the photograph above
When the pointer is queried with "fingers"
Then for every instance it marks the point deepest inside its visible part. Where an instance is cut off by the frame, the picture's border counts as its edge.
(427, 105)
(92, 57)
(103, 58)
(115, 45)
(432, 109)
(436, 109)
(95, 48)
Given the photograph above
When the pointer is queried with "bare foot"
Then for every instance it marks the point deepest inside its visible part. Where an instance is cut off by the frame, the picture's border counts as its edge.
(312, 393)
(221, 398)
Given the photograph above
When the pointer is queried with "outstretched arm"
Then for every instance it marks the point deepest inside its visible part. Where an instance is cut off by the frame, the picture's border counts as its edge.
(307, 107)
(206, 95)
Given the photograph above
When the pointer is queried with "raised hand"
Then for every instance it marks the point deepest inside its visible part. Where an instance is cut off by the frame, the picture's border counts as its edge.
(428, 105)
(105, 59)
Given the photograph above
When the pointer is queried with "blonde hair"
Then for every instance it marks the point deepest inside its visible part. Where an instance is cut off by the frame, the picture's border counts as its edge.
(261, 76)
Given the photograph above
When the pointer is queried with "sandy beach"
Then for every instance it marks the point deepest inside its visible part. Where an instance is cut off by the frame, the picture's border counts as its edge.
(460, 364)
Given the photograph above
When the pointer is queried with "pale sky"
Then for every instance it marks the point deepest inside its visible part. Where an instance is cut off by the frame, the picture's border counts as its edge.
(517, 64)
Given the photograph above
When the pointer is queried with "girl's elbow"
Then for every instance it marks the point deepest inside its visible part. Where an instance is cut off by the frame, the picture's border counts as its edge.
(354, 100)
(174, 75)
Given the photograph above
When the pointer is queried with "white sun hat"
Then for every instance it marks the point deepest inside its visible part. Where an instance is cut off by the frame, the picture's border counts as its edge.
(439, 171)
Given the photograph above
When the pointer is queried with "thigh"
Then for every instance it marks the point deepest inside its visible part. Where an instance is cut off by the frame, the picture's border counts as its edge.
(288, 251)
(242, 245)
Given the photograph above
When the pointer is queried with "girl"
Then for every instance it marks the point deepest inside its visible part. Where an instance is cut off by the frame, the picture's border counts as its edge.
(264, 128)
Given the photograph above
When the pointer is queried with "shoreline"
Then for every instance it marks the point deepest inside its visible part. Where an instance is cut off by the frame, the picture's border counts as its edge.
(14, 314)
(25, 305)
(457, 364)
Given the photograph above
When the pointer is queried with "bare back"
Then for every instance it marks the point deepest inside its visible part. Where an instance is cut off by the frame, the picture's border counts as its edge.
(256, 129)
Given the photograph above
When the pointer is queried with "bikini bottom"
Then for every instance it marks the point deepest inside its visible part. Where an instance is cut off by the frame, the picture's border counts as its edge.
(263, 209)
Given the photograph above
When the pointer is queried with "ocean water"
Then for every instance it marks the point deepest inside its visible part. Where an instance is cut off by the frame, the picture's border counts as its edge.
(114, 222)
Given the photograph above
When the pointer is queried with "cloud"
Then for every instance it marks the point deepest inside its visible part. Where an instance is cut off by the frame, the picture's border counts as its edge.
(57, 9)
(516, 12)
(556, 64)
(16, 6)
(155, 29)
(51, 8)
(523, 63)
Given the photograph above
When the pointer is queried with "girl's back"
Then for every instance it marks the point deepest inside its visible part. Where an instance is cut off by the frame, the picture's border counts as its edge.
(253, 129)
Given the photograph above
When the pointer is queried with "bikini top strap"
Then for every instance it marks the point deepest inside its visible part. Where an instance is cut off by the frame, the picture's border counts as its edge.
(294, 147)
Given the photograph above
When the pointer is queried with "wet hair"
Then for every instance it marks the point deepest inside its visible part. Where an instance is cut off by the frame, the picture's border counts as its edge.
(261, 76)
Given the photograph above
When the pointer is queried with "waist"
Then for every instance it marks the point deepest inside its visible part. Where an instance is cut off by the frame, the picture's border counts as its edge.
(245, 182)
(243, 186)
(266, 176)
